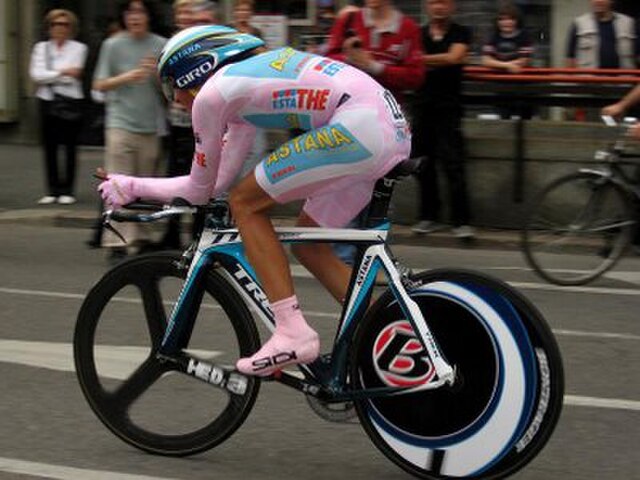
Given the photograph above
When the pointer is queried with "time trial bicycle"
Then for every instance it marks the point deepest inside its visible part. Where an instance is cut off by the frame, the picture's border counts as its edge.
(452, 373)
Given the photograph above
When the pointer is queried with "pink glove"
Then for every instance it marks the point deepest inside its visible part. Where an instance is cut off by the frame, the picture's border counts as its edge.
(117, 190)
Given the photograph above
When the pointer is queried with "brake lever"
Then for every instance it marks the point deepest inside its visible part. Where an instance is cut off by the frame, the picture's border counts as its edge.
(106, 223)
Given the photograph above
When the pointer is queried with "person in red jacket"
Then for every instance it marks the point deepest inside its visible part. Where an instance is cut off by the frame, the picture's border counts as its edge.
(386, 44)
(383, 42)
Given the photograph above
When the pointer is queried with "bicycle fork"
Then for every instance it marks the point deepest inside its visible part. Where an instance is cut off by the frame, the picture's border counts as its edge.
(179, 329)
(444, 371)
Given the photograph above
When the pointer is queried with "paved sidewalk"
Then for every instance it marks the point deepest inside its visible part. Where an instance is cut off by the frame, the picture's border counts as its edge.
(22, 184)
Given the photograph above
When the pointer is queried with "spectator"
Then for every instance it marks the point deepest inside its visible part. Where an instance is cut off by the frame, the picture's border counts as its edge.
(186, 13)
(437, 118)
(242, 14)
(383, 42)
(56, 66)
(603, 38)
(113, 26)
(509, 50)
(619, 108)
(205, 12)
(135, 115)
(316, 40)
(182, 14)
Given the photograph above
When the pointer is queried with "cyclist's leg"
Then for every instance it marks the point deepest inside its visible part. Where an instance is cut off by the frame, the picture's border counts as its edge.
(320, 259)
(334, 168)
(293, 340)
(250, 204)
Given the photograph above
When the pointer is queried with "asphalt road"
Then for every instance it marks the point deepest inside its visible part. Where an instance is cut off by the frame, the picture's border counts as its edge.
(48, 431)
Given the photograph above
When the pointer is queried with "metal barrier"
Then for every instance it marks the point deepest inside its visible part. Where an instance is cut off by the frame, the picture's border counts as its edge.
(547, 87)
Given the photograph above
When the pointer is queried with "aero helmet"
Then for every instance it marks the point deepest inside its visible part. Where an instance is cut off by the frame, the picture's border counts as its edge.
(191, 56)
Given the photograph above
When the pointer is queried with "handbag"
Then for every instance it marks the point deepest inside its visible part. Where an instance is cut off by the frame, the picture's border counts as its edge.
(63, 107)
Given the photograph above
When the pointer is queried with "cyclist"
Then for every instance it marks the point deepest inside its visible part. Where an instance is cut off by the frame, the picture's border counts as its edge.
(617, 109)
(355, 132)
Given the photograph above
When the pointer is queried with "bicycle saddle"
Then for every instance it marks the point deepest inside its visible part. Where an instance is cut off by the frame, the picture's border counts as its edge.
(405, 168)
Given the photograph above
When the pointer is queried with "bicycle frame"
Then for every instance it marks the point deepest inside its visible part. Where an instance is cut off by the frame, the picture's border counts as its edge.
(612, 159)
(223, 249)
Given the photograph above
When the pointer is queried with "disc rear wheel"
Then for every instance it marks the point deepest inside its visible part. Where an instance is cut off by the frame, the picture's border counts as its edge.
(508, 392)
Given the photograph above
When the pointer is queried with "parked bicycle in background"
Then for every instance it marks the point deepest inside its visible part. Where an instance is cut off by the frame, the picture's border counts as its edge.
(581, 224)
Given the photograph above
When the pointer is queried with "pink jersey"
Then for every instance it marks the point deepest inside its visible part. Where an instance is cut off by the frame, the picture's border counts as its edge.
(355, 133)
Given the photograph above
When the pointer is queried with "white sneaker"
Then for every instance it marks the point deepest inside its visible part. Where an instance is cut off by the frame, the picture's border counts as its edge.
(427, 226)
(464, 232)
(47, 200)
(66, 200)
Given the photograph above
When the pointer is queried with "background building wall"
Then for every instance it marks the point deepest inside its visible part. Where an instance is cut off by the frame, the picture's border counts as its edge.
(547, 20)
(8, 61)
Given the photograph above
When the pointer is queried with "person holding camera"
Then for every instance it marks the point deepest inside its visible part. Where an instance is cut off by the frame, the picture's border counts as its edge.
(381, 41)
(385, 43)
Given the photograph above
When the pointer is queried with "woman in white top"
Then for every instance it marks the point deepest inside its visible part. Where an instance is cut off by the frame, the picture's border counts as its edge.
(56, 67)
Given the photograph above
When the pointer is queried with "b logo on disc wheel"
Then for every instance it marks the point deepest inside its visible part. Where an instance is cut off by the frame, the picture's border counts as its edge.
(398, 357)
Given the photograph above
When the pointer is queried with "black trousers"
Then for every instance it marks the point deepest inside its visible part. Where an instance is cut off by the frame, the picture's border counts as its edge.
(437, 134)
(57, 133)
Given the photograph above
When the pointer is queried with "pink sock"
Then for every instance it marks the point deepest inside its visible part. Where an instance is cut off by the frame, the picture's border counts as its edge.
(293, 341)
(288, 315)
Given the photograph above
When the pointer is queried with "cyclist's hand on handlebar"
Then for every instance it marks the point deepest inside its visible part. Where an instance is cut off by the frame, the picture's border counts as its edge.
(615, 110)
(634, 131)
(116, 190)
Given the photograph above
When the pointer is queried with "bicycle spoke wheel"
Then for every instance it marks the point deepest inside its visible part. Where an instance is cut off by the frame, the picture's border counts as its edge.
(145, 401)
(508, 392)
(577, 229)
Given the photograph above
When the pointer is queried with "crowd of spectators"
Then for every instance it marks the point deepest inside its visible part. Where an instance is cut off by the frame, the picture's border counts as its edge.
(373, 36)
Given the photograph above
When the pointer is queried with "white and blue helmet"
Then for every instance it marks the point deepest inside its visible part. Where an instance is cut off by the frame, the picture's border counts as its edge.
(191, 56)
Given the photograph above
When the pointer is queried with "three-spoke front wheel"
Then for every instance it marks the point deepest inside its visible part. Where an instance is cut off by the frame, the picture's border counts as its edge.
(140, 398)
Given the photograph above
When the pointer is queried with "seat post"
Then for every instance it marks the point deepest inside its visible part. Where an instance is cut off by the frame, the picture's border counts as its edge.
(380, 200)
(378, 208)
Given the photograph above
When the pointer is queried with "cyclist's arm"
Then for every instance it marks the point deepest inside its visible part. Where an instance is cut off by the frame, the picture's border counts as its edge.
(208, 127)
(631, 98)
(236, 146)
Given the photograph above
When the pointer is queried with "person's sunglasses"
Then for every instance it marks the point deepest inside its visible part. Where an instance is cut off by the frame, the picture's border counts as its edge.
(60, 24)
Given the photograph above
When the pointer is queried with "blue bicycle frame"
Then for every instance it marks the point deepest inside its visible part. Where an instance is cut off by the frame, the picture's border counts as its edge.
(223, 250)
